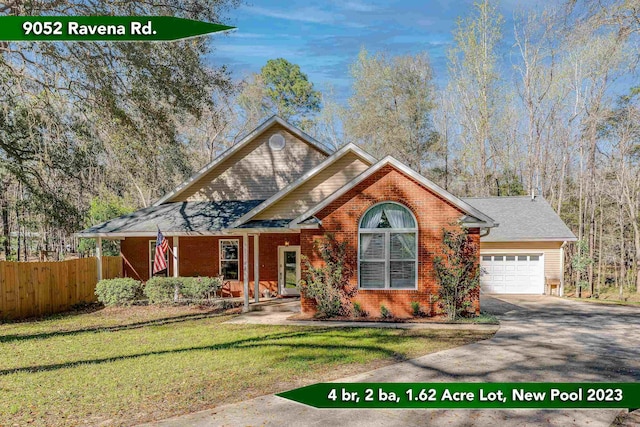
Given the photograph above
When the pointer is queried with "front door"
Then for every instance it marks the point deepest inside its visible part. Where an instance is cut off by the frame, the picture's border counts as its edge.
(288, 270)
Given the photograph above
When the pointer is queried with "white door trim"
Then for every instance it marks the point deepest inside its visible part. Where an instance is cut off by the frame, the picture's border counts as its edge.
(282, 290)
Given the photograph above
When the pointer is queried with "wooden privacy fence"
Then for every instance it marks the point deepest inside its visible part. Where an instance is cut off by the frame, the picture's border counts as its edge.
(30, 289)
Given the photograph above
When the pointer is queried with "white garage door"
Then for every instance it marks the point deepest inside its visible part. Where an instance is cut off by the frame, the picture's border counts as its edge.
(512, 274)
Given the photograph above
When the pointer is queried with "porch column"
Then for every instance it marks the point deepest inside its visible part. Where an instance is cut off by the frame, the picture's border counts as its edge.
(176, 245)
(99, 256)
(245, 270)
(256, 267)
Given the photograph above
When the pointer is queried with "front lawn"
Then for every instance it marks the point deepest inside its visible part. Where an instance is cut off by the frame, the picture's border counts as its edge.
(125, 366)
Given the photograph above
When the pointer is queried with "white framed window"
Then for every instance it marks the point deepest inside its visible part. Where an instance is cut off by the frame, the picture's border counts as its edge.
(388, 248)
(230, 259)
(152, 256)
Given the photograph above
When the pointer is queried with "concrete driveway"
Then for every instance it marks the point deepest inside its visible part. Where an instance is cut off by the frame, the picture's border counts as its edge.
(540, 339)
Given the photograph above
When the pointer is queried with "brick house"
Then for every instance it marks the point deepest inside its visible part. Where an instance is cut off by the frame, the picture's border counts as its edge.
(252, 213)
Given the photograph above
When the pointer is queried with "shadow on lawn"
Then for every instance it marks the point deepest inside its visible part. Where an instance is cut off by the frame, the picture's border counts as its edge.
(116, 328)
(271, 340)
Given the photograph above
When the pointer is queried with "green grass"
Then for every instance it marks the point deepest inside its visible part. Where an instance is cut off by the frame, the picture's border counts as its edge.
(484, 317)
(125, 366)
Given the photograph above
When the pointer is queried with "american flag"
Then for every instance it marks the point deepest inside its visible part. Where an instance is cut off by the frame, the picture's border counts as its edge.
(160, 260)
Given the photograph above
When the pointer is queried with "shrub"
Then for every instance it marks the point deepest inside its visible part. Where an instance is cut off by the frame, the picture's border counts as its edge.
(358, 311)
(329, 285)
(457, 272)
(200, 287)
(161, 289)
(385, 313)
(417, 309)
(118, 291)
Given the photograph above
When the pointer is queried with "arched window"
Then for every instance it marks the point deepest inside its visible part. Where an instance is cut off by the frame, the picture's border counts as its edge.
(388, 248)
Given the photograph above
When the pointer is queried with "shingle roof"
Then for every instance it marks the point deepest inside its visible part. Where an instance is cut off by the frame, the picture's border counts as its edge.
(266, 223)
(521, 219)
(177, 217)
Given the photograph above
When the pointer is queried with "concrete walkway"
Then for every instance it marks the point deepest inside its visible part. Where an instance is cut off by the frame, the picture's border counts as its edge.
(282, 318)
(540, 339)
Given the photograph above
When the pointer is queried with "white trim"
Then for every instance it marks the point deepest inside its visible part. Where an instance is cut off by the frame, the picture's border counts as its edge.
(225, 232)
(237, 242)
(99, 257)
(561, 290)
(387, 249)
(282, 290)
(256, 267)
(151, 257)
(245, 271)
(233, 149)
(465, 207)
(176, 246)
(532, 239)
(349, 148)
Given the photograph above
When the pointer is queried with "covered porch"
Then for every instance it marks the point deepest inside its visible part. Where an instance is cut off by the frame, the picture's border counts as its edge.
(254, 257)
(255, 264)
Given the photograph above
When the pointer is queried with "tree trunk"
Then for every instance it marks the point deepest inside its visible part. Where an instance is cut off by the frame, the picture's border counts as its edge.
(4, 213)
(636, 240)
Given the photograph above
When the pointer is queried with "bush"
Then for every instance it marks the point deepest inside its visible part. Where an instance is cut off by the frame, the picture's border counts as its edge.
(358, 311)
(118, 291)
(161, 289)
(329, 285)
(385, 313)
(417, 309)
(457, 272)
(200, 287)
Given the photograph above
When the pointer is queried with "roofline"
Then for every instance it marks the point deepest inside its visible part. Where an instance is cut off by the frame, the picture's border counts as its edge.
(349, 148)
(223, 232)
(389, 160)
(479, 224)
(234, 148)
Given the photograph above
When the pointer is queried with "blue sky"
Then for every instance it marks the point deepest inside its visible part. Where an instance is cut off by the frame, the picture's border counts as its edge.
(325, 37)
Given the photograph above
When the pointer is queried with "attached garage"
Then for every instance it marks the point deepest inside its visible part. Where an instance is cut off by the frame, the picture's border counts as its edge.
(512, 274)
(525, 253)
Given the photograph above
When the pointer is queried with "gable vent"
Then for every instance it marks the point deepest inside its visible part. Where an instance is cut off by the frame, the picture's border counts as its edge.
(276, 142)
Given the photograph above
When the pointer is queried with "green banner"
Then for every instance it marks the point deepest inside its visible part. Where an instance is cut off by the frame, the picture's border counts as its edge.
(103, 28)
(468, 395)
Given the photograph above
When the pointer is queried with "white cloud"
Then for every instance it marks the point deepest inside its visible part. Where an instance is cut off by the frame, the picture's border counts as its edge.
(357, 6)
(312, 15)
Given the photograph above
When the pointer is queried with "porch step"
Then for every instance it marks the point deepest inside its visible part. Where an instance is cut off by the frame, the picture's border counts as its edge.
(277, 305)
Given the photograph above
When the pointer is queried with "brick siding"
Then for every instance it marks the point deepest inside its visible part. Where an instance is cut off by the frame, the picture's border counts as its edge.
(342, 217)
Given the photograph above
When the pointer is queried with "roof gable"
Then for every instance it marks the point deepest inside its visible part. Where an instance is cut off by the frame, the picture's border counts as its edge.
(250, 169)
(473, 217)
(348, 152)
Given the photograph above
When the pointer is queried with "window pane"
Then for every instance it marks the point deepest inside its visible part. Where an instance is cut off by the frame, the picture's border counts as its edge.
(522, 257)
(229, 269)
(534, 258)
(372, 274)
(403, 274)
(403, 246)
(387, 215)
(486, 257)
(498, 258)
(229, 250)
(372, 246)
(510, 258)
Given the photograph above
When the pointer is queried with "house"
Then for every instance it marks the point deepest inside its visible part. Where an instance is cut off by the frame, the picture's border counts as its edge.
(252, 213)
